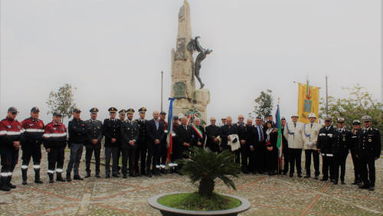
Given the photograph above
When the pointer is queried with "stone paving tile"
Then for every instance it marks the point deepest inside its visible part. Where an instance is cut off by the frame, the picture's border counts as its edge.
(276, 195)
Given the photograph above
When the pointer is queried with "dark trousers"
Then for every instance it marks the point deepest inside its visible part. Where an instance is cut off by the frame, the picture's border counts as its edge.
(90, 149)
(328, 167)
(271, 159)
(9, 157)
(111, 154)
(295, 160)
(286, 160)
(244, 158)
(252, 160)
(128, 154)
(315, 156)
(31, 149)
(340, 163)
(367, 170)
(260, 159)
(56, 160)
(141, 153)
(356, 163)
(153, 160)
(118, 155)
(164, 151)
(75, 158)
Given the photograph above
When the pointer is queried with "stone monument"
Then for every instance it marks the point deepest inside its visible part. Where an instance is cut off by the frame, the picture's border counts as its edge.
(185, 70)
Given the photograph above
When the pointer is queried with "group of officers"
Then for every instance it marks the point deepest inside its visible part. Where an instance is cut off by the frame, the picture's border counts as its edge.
(143, 148)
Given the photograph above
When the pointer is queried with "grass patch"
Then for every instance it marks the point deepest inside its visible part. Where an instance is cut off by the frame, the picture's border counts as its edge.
(196, 202)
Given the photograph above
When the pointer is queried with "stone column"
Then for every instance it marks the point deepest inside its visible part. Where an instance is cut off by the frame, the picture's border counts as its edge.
(183, 81)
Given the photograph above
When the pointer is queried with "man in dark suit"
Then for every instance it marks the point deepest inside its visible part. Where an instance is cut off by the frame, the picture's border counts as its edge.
(183, 139)
(212, 133)
(242, 153)
(155, 134)
(260, 147)
(228, 129)
(198, 134)
(250, 136)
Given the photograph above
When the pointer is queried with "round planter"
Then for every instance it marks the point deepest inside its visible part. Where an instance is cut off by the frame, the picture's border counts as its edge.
(168, 211)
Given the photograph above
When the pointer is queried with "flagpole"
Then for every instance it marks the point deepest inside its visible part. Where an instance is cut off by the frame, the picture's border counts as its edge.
(326, 95)
(162, 91)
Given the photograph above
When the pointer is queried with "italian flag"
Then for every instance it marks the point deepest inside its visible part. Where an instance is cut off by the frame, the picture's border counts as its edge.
(170, 131)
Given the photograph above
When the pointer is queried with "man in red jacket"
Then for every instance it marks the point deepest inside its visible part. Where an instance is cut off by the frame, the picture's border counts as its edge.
(10, 134)
(31, 144)
(55, 140)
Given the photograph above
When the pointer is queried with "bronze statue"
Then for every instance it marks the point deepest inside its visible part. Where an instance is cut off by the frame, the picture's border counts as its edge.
(194, 45)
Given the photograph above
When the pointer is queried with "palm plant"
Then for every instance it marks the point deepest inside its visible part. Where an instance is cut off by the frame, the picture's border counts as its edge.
(205, 166)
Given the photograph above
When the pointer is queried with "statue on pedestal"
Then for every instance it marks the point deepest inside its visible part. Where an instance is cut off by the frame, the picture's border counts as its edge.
(194, 45)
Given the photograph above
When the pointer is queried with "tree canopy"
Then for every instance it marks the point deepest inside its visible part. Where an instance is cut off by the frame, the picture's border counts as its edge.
(357, 103)
(62, 101)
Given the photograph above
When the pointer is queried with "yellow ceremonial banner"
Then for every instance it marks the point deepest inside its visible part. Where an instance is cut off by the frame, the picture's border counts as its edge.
(308, 101)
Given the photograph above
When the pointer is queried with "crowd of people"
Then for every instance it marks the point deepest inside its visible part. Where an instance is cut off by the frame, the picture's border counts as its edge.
(143, 147)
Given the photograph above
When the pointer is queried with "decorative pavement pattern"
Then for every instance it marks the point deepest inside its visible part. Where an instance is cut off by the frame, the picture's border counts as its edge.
(276, 195)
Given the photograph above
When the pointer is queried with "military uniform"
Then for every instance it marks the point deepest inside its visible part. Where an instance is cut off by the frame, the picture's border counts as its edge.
(129, 136)
(142, 143)
(111, 130)
(10, 133)
(340, 149)
(354, 143)
(94, 132)
(369, 151)
(325, 144)
(55, 140)
(31, 145)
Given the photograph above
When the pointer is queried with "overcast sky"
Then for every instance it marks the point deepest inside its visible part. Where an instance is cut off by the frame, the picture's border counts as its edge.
(113, 50)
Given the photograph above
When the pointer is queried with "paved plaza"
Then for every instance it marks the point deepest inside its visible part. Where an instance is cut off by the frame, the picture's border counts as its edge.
(276, 195)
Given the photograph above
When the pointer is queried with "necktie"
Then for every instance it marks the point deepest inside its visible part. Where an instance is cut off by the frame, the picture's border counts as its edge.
(295, 124)
(260, 133)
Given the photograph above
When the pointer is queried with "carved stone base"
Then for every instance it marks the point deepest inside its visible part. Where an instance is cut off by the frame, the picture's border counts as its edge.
(201, 100)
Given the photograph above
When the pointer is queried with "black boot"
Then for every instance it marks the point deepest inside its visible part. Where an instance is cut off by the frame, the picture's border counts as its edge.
(59, 177)
(12, 186)
(78, 177)
(50, 175)
(24, 176)
(68, 177)
(37, 177)
(3, 184)
(87, 175)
